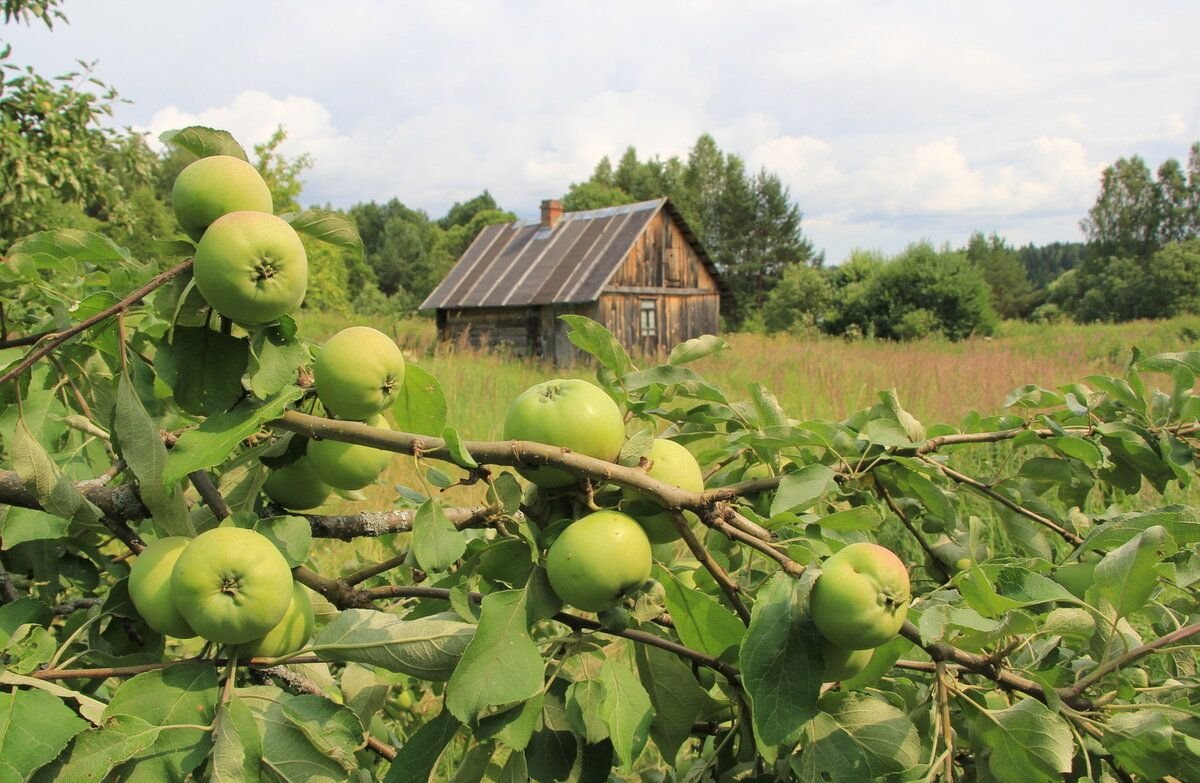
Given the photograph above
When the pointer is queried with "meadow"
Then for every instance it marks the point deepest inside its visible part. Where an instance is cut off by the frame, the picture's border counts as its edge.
(828, 378)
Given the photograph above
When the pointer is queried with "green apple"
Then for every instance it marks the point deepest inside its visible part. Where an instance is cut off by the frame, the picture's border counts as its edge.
(296, 486)
(215, 186)
(150, 586)
(231, 584)
(842, 664)
(359, 372)
(598, 559)
(251, 267)
(569, 413)
(349, 465)
(289, 634)
(671, 464)
(861, 598)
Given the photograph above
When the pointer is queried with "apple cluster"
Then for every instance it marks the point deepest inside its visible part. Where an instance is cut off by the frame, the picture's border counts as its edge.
(228, 585)
(249, 265)
(859, 602)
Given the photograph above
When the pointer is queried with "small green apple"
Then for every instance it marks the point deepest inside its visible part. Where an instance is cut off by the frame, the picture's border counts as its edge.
(296, 486)
(842, 664)
(349, 465)
(231, 584)
(215, 186)
(251, 267)
(861, 598)
(150, 586)
(290, 634)
(570, 413)
(359, 372)
(672, 464)
(598, 559)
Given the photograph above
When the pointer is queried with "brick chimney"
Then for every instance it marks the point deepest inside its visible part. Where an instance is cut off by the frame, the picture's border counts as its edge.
(551, 211)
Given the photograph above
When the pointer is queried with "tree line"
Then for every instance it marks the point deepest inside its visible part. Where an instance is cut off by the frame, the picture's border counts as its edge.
(63, 166)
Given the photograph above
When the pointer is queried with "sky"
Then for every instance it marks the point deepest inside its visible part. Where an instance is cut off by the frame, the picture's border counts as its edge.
(890, 122)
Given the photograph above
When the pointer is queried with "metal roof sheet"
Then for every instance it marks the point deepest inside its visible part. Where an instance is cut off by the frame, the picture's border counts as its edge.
(523, 263)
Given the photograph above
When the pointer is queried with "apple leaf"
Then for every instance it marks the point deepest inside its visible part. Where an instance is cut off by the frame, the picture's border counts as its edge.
(458, 452)
(53, 490)
(237, 745)
(675, 695)
(625, 709)
(34, 729)
(213, 441)
(780, 662)
(857, 737)
(1128, 575)
(702, 623)
(204, 142)
(203, 368)
(429, 647)
(95, 753)
(1028, 743)
(420, 407)
(437, 544)
(798, 490)
(696, 348)
(274, 359)
(501, 644)
(591, 337)
(141, 446)
(304, 738)
(418, 756)
(329, 226)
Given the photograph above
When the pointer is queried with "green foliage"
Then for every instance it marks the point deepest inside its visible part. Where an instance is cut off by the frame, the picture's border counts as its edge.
(54, 145)
(1122, 288)
(800, 302)
(1136, 214)
(1006, 277)
(452, 653)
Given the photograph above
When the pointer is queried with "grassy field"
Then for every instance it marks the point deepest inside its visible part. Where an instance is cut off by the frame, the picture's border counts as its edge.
(938, 381)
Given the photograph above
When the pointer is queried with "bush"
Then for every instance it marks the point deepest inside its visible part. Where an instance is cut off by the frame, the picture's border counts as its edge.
(883, 299)
(800, 301)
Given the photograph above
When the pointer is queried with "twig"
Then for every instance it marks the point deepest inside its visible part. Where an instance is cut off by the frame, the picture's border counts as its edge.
(984, 489)
(1100, 672)
(74, 606)
(940, 651)
(719, 575)
(716, 519)
(8, 593)
(571, 621)
(899, 512)
(209, 494)
(364, 574)
(130, 671)
(51, 341)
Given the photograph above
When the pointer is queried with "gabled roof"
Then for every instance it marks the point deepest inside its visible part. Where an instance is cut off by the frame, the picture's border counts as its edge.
(524, 263)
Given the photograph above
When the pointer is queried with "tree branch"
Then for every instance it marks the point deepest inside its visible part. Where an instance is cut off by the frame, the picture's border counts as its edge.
(984, 489)
(719, 575)
(940, 651)
(49, 342)
(1100, 672)
(571, 621)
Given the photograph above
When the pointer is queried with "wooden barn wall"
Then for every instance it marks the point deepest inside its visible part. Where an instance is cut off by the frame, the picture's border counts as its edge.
(526, 331)
(678, 317)
(662, 258)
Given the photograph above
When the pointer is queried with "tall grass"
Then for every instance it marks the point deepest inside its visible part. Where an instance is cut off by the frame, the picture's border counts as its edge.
(938, 381)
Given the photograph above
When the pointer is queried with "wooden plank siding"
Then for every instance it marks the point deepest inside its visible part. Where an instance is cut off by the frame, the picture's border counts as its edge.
(637, 269)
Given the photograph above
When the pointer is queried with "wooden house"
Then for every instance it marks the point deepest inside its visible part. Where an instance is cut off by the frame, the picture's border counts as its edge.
(636, 268)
